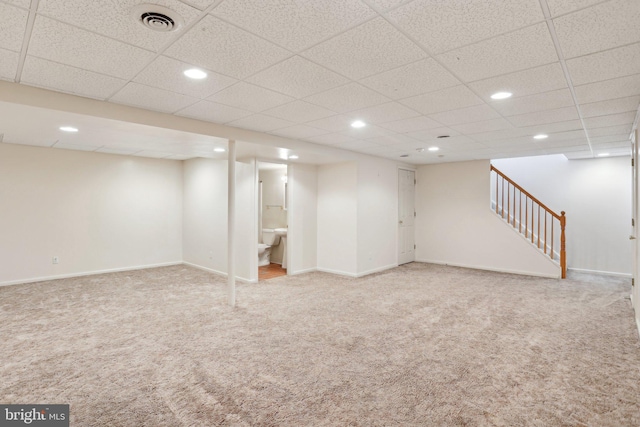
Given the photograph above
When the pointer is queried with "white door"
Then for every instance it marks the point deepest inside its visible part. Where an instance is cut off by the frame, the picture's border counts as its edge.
(406, 216)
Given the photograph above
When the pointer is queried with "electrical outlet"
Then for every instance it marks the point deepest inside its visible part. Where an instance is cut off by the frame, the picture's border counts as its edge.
(56, 260)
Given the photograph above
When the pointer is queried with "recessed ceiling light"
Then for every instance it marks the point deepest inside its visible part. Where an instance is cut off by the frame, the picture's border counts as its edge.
(358, 124)
(541, 136)
(434, 148)
(194, 73)
(603, 154)
(293, 157)
(501, 95)
(68, 129)
(219, 150)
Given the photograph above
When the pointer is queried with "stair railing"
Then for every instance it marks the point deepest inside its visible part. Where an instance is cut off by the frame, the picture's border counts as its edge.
(531, 218)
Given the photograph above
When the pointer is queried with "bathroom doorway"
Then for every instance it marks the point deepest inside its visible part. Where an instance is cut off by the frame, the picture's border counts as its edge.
(272, 220)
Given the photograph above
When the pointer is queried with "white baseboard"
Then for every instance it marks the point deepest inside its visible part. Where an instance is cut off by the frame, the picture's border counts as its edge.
(497, 270)
(337, 272)
(606, 273)
(87, 273)
(377, 270)
(306, 270)
(219, 273)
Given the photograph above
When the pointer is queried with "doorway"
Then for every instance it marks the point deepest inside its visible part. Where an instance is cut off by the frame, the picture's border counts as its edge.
(406, 216)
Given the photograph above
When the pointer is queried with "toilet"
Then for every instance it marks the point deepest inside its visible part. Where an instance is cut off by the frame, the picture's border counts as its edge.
(269, 238)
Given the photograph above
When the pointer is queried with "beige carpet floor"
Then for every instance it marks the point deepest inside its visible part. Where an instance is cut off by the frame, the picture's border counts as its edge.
(419, 345)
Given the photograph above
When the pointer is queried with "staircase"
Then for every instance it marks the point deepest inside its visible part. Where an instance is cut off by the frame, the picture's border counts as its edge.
(531, 218)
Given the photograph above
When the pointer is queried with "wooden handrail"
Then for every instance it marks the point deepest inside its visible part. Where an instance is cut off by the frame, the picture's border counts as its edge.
(529, 229)
(512, 182)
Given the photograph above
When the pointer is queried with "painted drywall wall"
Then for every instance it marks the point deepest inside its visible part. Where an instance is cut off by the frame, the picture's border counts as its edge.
(455, 225)
(96, 212)
(377, 216)
(337, 218)
(302, 240)
(205, 217)
(596, 196)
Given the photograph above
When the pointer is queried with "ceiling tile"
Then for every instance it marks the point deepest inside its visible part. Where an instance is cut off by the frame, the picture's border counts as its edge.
(611, 120)
(532, 103)
(294, 24)
(212, 112)
(337, 123)
(409, 80)
(370, 131)
(610, 130)
(383, 113)
(299, 132)
(412, 125)
(434, 133)
(347, 98)
(604, 26)
(250, 97)
(553, 127)
(612, 106)
(392, 139)
(64, 78)
(330, 139)
(560, 7)
(152, 154)
(536, 80)
(610, 64)
(167, 73)
(226, 49)
(14, 23)
(610, 139)
(609, 89)
(113, 19)
(200, 4)
(443, 100)
(260, 123)
(502, 54)
(368, 49)
(22, 3)
(360, 146)
(466, 115)
(8, 64)
(299, 112)
(298, 77)
(543, 117)
(79, 147)
(68, 45)
(444, 25)
(121, 151)
(498, 135)
(484, 126)
(383, 5)
(151, 98)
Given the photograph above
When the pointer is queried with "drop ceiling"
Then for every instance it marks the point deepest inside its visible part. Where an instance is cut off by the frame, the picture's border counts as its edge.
(304, 70)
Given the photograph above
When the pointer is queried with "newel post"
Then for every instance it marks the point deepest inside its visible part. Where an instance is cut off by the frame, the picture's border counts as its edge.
(563, 246)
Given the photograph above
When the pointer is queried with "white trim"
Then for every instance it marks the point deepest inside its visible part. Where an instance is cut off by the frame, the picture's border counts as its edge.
(87, 273)
(339, 273)
(306, 270)
(219, 273)
(606, 273)
(377, 270)
(497, 270)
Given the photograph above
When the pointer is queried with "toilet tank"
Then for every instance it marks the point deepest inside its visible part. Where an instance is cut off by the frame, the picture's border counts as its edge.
(269, 237)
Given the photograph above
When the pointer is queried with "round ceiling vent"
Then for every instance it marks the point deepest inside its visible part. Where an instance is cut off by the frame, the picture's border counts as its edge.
(157, 18)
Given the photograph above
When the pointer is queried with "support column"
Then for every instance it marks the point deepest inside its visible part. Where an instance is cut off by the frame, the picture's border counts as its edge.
(231, 224)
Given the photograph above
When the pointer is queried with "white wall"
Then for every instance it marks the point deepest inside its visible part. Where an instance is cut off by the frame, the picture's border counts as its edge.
(377, 215)
(96, 212)
(337, 218)
(455, 225)
(302, 237)
(596, 195)
(205, 217)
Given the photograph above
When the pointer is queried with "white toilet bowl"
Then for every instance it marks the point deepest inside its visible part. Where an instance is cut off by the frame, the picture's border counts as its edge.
(269, 238)
(264, 254)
